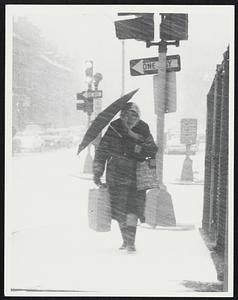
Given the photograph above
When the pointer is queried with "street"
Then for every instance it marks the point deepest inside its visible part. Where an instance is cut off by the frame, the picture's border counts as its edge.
(150, 64)
(53, 249)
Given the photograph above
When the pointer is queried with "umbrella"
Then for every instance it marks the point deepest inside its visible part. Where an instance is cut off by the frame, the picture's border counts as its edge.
(103, 119)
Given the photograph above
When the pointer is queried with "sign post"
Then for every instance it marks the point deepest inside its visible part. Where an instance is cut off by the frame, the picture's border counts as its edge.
(160, 110)
(173, 28)
(188, 137)
(170, 93)
(90, 102)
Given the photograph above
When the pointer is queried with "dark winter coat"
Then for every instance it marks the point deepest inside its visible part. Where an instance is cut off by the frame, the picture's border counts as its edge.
(119, 152)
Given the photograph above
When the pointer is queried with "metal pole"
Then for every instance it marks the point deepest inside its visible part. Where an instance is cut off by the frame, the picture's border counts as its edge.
(89, 146)
(156, 208)
(160, 110)
(89, 161)
(88, 165)
(123, 69)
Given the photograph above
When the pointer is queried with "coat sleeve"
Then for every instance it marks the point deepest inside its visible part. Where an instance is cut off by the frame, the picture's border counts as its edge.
(102, 153)
(149, 148)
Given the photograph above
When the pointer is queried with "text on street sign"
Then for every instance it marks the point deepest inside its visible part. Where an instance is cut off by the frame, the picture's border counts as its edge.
(188, 131)
(93, 94)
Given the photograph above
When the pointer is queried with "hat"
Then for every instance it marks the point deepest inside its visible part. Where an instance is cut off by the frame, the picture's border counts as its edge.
(131, 106)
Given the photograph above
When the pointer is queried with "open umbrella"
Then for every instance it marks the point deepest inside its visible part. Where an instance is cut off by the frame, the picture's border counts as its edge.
(103, 119)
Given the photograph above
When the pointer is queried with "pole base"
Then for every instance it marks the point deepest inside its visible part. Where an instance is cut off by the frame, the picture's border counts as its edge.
(187, 171)
(159, 209)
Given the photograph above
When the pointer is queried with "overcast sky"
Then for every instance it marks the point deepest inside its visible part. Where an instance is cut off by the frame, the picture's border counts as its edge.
(87, 32)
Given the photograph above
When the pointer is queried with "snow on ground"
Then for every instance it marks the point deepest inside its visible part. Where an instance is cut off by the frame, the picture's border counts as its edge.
(52, 247)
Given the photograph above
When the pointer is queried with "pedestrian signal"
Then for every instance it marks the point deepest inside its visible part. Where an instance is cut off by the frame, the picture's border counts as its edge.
(139, 28)
(174, 27)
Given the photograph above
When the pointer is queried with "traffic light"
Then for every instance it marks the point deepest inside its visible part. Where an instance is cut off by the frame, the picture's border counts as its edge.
(89, 71)
(139, 28)
(97, 78)
(174, 27)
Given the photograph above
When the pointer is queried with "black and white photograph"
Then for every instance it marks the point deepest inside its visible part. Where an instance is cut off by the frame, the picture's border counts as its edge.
(119, 126)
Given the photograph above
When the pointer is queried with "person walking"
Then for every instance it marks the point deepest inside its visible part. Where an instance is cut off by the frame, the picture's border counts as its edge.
(127, 141)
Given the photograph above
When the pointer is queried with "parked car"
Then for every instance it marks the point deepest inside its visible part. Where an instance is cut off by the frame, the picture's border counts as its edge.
(173, 146)
(27, 141)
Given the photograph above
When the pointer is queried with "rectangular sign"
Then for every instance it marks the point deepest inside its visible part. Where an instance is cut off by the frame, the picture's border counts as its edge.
(80, 96)
(149, 66)
(170, 104)
(188, 131)
(80, 106)
(89, 94)
(93, 94)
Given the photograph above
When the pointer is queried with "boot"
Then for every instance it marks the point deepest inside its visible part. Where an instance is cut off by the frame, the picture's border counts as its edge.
(131, 234)
(123, 230)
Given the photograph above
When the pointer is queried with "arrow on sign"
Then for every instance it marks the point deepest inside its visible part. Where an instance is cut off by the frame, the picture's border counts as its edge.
(143, 66)
(80, 96)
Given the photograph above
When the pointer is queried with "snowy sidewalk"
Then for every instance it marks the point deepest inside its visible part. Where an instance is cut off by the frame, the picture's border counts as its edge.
(53, 251)
(71, 257)
(60, 258)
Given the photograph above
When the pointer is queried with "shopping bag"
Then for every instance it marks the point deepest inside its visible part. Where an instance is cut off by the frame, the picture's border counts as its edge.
(99, 209)
(146, 177)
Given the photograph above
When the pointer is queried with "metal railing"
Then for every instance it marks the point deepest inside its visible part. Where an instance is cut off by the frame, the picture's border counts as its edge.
(215, 205)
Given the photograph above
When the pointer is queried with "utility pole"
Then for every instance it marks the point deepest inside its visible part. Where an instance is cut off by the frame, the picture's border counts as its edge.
(89, 160)
(89, 104)
(89, 109)
(173, 28)
(123, 69)
(158, 199)
(161, 109)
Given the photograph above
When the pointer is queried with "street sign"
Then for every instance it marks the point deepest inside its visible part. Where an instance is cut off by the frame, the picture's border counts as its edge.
(148, 66)
(80, 106)
(89, 94)
(80, 96)
(170, 104)
(188, 131)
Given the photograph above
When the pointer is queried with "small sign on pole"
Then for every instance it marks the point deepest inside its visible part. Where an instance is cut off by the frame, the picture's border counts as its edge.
(170, 104)
(188, 131)
(89, 94)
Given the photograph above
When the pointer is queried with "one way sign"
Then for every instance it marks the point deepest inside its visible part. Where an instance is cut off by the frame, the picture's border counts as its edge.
(149, 66)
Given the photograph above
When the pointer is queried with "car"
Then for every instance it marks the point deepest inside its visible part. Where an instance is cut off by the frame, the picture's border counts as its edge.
(173, 146)
(55, 138)
(77, 132)
(51, 139)
(27, 141)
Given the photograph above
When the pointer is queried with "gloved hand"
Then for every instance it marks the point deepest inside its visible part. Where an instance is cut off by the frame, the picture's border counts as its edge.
(97, 180)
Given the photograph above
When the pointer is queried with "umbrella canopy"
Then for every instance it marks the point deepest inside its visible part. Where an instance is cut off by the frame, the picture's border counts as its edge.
(103, 119)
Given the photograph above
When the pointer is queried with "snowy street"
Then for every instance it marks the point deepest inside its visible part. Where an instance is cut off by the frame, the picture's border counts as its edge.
(134, 82)
(53, 248)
